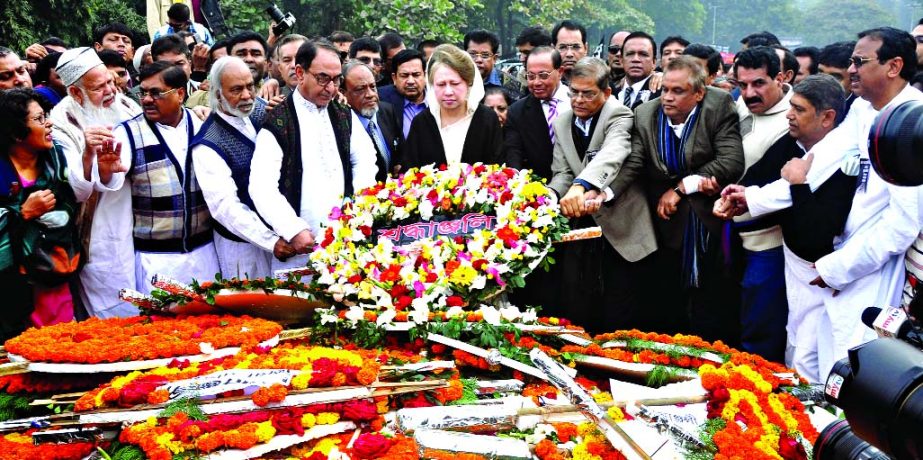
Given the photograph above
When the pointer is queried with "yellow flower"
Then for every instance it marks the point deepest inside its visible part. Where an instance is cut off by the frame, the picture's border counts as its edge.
(616, 414)
(308, 420)
(533, 189)
(120, 382)
(265, 431)
(325, 445)
(327, 418)
(463, 275)
(602, 397)
(166, 440)
(300, 381)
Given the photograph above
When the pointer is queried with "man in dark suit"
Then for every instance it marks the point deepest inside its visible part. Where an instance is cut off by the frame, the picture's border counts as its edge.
(686, 144)
(377, 118)
(601, 276)
(639, 58)
(408, 93)
(528, 132)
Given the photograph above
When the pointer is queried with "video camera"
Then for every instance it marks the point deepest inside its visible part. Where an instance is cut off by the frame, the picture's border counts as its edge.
(878, 386)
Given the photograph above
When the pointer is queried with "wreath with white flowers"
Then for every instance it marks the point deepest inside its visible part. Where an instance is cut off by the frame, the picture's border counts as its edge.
(455, 258)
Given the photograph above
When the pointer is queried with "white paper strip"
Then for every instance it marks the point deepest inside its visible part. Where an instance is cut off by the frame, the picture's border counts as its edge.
(229, 380)
(482, 353)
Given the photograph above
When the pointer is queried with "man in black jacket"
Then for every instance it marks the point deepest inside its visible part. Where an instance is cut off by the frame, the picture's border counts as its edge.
(408, 93)
(814, 219)
(377, 117)
(528, 140)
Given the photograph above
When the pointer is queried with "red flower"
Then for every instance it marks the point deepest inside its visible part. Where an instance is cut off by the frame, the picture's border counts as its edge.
(454, 301)
(402, 303)
(791, 449)
(392, 274)
(369, 445)
(360, 410)
(365, 229)
(354, 279)
(508, 236)
(322, 372)
(398, 290)
(399, 201)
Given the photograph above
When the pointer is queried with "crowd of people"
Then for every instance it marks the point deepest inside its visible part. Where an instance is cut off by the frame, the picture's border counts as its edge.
(736, 200)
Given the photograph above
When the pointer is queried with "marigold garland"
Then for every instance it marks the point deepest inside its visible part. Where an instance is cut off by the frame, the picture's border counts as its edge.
(20, 446)
(138, 338)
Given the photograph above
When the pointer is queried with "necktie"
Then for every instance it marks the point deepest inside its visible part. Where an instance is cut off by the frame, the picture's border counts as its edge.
(372, 128)
(626, 99)
(552, 114)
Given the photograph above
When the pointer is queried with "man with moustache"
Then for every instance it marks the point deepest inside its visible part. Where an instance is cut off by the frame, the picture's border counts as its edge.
(311, 152)
(221, 154)
(686, 144)
(762, 108)
(529, 131)
(408, 93)
(82, 125)
(13, 71)
(367, 51)
(867, 265)
(171, 225)
(639, 55)
(377, 118)
(569, 38)
(286, 50)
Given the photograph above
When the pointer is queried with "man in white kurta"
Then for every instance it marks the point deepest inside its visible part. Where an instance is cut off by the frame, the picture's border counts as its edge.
(866, 269)
(310, 153)
(221, 156)
(171, 224)
(81, 123)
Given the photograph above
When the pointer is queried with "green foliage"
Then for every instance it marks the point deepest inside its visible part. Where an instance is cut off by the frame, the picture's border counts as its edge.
(469, 392)
(119, 451)
(188, 406)
(246, 15)
(369, 335)
(674, 18)
(23, 22)
(659, 376)
(414, 19)
(828, 25)
(13, 406)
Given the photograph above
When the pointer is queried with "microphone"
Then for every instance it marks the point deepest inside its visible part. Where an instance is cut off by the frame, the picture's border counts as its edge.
(893, 322)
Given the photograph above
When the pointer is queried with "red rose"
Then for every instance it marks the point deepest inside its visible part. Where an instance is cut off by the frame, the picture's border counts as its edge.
(369, 445)
(360, 410)
(402, 303)
(479, 264)
(399, 202)
(791, 449)
(431, 277)
(322, 372)
(398, 290)
(365, 229)
(354, 279)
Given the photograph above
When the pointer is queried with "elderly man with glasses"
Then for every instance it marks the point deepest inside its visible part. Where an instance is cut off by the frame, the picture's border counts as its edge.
(311, 152)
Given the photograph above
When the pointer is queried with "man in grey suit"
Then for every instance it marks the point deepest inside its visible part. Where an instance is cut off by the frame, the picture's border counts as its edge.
(601, 277)
(687, 145)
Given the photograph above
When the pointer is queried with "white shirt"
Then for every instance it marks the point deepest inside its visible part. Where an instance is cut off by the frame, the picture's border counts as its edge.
(635, 91)
(220, 190)
(453, 138)
(177, 140)
(322, 176)
(761, 131)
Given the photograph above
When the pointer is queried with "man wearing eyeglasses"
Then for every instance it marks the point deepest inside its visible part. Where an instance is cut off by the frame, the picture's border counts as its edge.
(592, 140)
(171, 224)
(311, 152)
(569, 38)
(529, 131)
(13, 71)
(367, 51)
(867, 265)
(616, 71)
(82, 124)
(684, 144)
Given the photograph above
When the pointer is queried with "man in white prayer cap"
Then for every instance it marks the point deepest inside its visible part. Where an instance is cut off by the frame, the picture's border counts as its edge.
(82, 125)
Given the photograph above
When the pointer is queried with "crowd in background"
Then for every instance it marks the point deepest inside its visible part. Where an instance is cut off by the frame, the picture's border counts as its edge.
(736, 199)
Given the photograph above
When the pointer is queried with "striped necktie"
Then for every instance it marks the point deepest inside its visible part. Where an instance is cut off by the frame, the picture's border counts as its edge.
(552, 114)
(626, 98)
(372, 128)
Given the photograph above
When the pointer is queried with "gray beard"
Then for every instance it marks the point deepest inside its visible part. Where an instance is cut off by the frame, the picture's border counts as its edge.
(100, 116)
(234, 111)
(368, 113)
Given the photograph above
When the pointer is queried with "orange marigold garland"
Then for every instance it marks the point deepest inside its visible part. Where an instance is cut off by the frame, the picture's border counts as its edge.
(20, 446)
(138, 338)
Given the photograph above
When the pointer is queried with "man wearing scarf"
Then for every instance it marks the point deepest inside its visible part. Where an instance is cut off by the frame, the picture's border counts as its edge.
(81, 123)
(687, 145)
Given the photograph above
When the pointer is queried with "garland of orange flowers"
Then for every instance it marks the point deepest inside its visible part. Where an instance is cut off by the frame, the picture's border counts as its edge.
(643, 356)
(318, 366)
(20, 446)
(759, 424)
(138, 338)
(179, 434)
(593, 445)
(48, 383)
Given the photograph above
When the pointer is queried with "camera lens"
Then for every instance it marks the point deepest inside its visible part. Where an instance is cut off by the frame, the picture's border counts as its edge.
(895, 143)
(838, 442)
(275, 13)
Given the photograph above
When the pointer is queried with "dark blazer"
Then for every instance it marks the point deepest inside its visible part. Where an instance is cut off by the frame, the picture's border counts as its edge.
(526, 141)
(626, 219)
(483, 142)
(389, 94)
(644, 94)
(713, 149)
(389, 123)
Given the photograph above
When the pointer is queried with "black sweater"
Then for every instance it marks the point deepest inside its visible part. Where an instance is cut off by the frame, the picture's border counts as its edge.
(483, 142)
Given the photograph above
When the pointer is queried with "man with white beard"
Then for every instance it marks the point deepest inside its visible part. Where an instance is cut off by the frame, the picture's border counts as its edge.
(81, 124)
(221, 154)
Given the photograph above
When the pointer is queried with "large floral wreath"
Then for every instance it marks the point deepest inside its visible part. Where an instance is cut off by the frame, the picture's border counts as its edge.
(359, 265)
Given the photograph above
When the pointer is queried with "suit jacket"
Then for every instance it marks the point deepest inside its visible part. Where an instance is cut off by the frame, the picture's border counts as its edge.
(644, 94)
(389, 123)
(389, 94)
(526, 141)
(625, 220)
(483, 142)
(713, 148)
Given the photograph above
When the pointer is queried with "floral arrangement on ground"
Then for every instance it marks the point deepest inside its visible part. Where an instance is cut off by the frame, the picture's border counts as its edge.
(357, 266)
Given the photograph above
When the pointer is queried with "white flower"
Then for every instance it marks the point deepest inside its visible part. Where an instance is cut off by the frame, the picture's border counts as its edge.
(426, 210)
(355, 314)
(491, 315)
(529, 316)
(479, 282)
(328, 317)
(542, 431)
(510, 313)
(452, 312)
(385, 317)
(419, 315)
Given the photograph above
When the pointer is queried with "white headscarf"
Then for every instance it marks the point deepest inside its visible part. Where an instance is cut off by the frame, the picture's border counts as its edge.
(475, 91)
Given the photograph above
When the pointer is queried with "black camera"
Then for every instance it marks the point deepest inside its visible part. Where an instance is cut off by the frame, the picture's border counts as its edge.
(896, 144)
(879, 389)
(284, 21)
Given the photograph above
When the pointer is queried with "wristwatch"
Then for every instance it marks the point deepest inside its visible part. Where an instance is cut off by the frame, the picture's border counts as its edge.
(679, 192)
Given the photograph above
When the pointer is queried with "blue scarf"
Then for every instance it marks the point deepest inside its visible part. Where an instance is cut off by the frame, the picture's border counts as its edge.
(673, 155)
